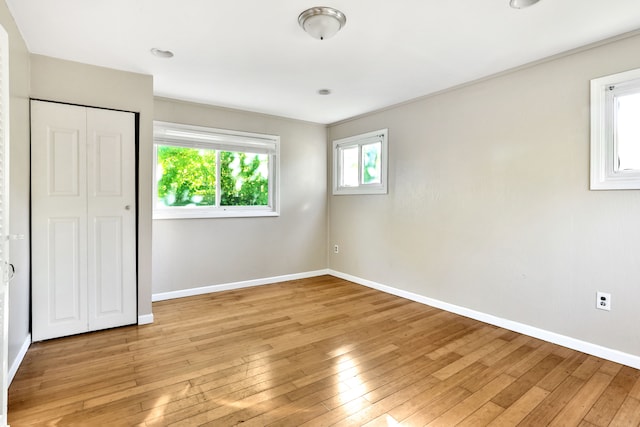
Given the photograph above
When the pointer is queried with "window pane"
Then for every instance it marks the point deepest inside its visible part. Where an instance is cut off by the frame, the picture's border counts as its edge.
(186, 176)
(628, 132)
(350, 167)
(244, 179)
(371, 163)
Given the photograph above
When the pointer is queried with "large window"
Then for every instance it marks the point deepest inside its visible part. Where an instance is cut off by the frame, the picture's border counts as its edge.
(202, 172)
(615, 131)
(360, 164)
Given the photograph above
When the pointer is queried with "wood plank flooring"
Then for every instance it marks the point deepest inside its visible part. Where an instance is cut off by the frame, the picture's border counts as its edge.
(316, 352)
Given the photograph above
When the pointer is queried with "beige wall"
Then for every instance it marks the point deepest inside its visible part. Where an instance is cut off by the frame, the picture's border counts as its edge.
(489, 205)
(189, 253)
(64, 81)
(19, 291)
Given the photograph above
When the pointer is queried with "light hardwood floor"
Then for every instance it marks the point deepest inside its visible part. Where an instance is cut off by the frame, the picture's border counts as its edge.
(316, 352)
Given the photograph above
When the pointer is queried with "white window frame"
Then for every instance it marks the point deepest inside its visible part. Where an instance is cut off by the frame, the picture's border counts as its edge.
(190, 136)
(358, 141)
(604, 173)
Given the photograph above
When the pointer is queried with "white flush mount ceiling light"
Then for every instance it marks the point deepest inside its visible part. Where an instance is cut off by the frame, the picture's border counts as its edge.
(521, 4)
(322, 22)
(161, 53)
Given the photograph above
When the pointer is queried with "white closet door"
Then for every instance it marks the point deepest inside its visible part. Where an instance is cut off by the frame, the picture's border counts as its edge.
(83, 219)
(111, 214)
(58, 220)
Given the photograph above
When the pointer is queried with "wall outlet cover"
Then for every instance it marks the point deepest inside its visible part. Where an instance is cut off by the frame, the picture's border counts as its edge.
(603, 301)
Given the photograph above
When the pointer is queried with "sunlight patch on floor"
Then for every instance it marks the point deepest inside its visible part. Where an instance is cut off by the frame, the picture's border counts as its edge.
(160, 405)
(350, 386)
(158, 408)
(391, 422)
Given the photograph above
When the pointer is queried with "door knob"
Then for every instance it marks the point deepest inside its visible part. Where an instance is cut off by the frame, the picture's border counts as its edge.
(128, 207)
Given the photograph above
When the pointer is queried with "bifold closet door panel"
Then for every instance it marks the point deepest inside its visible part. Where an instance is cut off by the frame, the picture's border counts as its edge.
(58, 220)
(111, 218)
(83, 219)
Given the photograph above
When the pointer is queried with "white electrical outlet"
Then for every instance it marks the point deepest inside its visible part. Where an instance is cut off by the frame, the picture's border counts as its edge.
(336, 249)
(603, 301)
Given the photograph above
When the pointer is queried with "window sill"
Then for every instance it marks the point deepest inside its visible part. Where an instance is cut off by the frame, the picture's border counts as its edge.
(358, 190)
(222, 213)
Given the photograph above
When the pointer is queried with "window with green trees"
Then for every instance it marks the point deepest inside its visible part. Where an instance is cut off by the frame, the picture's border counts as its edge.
(202, 172)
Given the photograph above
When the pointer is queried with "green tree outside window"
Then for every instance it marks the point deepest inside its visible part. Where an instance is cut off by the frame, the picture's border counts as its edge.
(188, 177)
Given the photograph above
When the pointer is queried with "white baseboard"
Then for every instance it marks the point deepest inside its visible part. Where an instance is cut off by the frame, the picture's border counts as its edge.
(161, 296)
(13, 369)
(145, 319)
(552, 337)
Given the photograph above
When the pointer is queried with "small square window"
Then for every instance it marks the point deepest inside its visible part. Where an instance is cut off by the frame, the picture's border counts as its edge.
(615, 131)
(360, 164)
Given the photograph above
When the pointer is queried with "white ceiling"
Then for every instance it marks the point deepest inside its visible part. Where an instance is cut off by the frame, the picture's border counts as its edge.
(252, 55)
